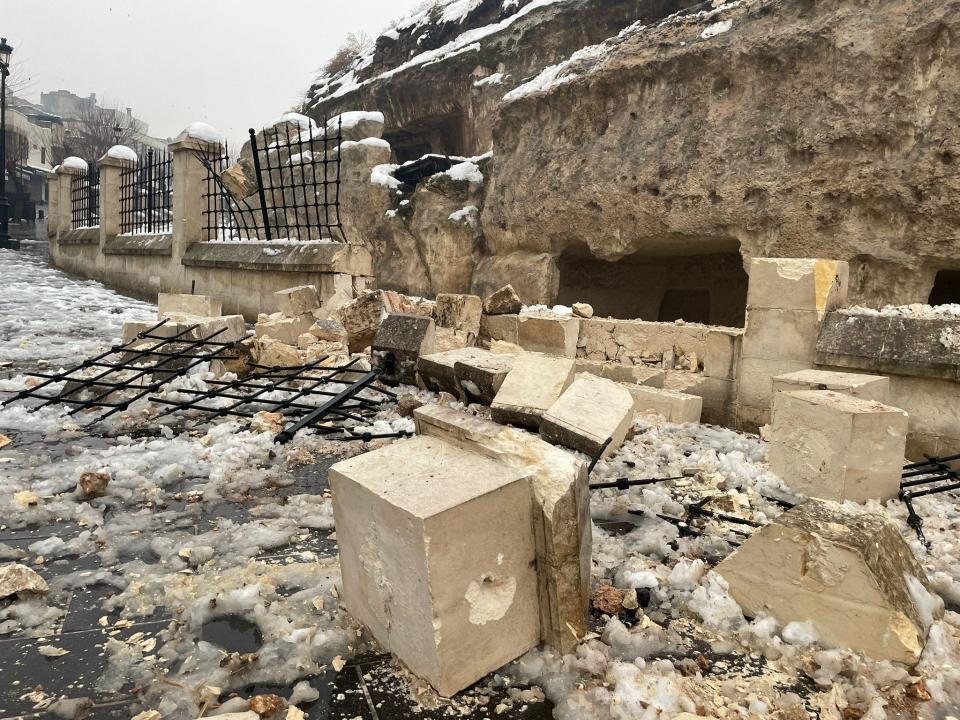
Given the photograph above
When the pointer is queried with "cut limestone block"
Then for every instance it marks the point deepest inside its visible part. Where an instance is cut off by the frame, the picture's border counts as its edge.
(652, 377)
(481, 373)
(868, 387)
(362, 317)
(233, 328)
(561, 518)
(405, 515)
(450, 339)
(285, 329)
(677, 407)
(336, 284)
(848, 572)
(591, 412)
(399, 342)
(458, 312)
(297, 301)
(722, 354)
(329, 331)
(553, 335)
(438, 371)
(499, 327)
(781, 335)
(837, 447)
(273, 353)
(504, 301)
(532, 386)
(797, 284)
(181, 304)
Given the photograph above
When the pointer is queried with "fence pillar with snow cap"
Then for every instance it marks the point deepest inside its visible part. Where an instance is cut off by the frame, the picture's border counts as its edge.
(189, 181)
(112, 165)
(61, 217)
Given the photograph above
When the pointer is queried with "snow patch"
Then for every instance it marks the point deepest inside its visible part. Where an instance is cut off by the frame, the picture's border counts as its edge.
(717, 28)
(122, 152)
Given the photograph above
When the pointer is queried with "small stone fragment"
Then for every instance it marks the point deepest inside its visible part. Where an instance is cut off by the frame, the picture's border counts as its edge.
(267, 705)
(265, 421)
(504, 301)
(25, 498)
(52, 652)
(608, 599)
(147, 715)
(584, 310)
(407, 403)
(4, 441)
(94, 484)
(338, 663)
(16, 579)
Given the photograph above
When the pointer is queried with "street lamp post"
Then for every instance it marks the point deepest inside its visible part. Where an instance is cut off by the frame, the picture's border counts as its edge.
(117, 131)
(5, 241)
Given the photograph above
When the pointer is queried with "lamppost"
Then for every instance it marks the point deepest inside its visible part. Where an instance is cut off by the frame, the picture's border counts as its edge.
(117, 130)
(5, 241)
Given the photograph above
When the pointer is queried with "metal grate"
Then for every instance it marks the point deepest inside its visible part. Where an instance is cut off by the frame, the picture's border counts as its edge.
(146, 191)
(930, 477)
(85, 198)
(290, 187)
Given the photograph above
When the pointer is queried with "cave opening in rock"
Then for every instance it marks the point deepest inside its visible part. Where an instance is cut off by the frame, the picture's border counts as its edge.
(946, 288)
(707, 287)
(441, 134)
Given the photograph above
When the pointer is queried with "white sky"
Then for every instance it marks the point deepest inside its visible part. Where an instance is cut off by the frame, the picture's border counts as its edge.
(232, 63)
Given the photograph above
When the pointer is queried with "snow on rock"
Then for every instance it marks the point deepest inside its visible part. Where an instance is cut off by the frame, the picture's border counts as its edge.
(293, 118)
(915, 310)
(468, 171)
(353, 118)
(122, 152)
(205, 133)
(717, 28)
(383, 175)
(495, 79)
(466, 215)
(74, 163)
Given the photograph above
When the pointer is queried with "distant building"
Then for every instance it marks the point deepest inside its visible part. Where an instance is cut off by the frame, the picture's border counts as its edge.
(30, 142)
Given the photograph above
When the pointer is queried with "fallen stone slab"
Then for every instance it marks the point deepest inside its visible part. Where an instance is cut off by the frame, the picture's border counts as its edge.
(504, 301)
(16, 579)
(868, 387)
(183, 304)
(828, 445)
(848, 572)
(329, 331)
(403, 515)
(583, 310)
(676, 407)
(592, 415)
(480, 374)
(274, 354)
(549, 334)
(297, 301)
(531, 388)
(641, 374)
(285, 329)
(458, 312)
(562, 519)
(450, 339)
(398, 344)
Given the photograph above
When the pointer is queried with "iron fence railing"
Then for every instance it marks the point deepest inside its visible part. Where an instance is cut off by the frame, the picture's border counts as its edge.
(146, 191)
(285, 185)
(85, 197)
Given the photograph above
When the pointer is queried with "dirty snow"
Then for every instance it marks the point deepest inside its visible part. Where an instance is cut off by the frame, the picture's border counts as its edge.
(915, 310)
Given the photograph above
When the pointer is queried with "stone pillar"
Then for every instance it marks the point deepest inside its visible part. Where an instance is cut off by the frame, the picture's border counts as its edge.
(53, 205)
(189, 183)
(60, 219)
(111, 170)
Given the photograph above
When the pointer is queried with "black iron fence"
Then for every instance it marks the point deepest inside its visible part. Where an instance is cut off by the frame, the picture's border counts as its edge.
(285, 185)
(146, 192)
(85, 197)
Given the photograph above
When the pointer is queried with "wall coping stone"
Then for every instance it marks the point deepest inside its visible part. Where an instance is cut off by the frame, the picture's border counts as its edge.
(305, 257)
(157, 244)
(80, 236)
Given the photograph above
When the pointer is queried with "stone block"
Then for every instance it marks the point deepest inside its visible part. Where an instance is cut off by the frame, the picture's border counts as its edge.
(562, 525)
(718, 395)
(781, 335)
(589, 413)
(480, 374)
(362, 316)
(336, 284)
(272, 353)
(837, 447)
(297, 301)
(797, 284)
(458, 312)
(182, 304)
(848, 572)
(399, 342)
(450, 339)
(531, 388)
(755, 387)
(504, 301)
(285, 329)
(676, 407)
(233, 326)
(549, 334)
(642, 374)
(404, 515)
(499, 327)
(329, 331)
(722, 354)
(868, 387)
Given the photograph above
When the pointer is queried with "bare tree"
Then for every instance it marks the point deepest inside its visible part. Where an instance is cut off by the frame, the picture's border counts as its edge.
(95, 131)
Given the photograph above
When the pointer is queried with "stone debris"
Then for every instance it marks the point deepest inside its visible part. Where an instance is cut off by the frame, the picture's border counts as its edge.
(590, 413)
(459, 312)
(504, 301)
(549, 334)
(362, 316)
(274, 353)
(675, 406)
(284, 329)
(480, 374)
(847, 572)
(16, 579)
(641, 374)
(582, 310)
(329, 331)
(531, 388)
(837, 447)
(608, 600)
(297, 301)
(94, 484)
(502, 328)
(403, 514)
(234, 328)
(182, 304)
(868, 387)
(400, 341)
(267, 705)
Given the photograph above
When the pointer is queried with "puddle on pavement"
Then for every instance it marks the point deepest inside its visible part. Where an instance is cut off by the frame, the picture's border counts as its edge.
(233, 634)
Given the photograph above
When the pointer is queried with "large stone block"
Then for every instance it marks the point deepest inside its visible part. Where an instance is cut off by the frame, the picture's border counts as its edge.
(591, 412)
(399, 343)
(848, 572)
(833, 446)
(182, 304)
(868, 387)
(797, 284)
(297, 301)
(480, 374)
(722, 355)
(362, 316)
(499, 327)
(561, 519)
(549, 334)
(642, 374)
(532, 386)
(404, 515)
(781, 335)
(438, 371)
(504, 301)
(675, 406)
(755, 387)
(285, 329)
(459, 312)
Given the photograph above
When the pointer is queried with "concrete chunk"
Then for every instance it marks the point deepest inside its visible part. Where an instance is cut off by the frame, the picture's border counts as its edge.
(797, 284)
(285, 329)
(182, 304)
(404, 514)
(532, 386)
(297, 301)
(868, 387)
(677, 407)
(552, 335)
(398, 344)
(561, 519)
(848, 572)
(590, 412)
(458, 312)
(504, 301)
(833, 446)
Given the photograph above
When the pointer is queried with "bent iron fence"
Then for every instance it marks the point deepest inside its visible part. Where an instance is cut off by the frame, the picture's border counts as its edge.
(85, 198)
(146, 192)
(285, 185)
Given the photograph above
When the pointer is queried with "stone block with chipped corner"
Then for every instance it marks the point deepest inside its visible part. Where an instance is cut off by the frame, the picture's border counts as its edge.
(480, 374)
(437, 557)
(362, 316)
(499, 327)
(399, 343)
(781, 335)
(755, 386)
(591, 413)
(531, 388)
(642, 374)
(833, 446)
(438, 371)
(458, 312)
(797, 284)
(676, 407)
(285, 329)
(183, 304)
(297, 301)
(504, 301)
(868, 387)
(549, 334)
(561, 519)
(848, 572)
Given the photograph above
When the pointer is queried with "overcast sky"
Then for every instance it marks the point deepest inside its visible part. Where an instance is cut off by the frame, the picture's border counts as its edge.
(231, 63)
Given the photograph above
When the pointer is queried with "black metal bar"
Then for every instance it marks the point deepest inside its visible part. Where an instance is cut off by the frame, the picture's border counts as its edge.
(932, 461)
(263, 195)
(626, 483)
(935, 491)
(598, 455)
(928, 480)
(318, 414)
